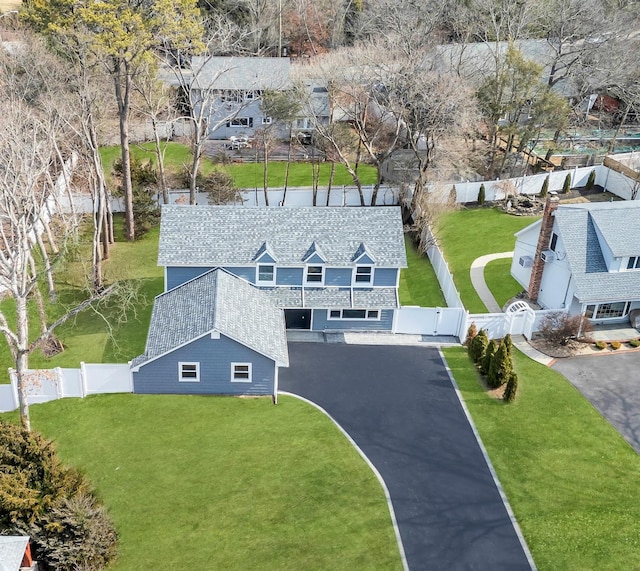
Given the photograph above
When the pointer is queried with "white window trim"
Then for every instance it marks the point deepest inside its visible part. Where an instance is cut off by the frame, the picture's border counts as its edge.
(265, 282)
(314, 283)
(636, 264)
(267, 120)
(233, 373)
(188, 380)
(366, 318)
(355, 283)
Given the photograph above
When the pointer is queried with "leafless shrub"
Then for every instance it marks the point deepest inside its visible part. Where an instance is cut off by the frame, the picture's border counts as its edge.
(560, 327)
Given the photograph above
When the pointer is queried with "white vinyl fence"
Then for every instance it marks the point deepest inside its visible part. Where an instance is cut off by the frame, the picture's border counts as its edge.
(52, 384)
(437, 321)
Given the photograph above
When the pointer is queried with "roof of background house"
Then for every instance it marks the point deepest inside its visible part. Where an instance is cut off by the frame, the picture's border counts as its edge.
(618, 224)
(216, 300)
(232, 235)
(12, 548)
(476, 60)
(241, 72)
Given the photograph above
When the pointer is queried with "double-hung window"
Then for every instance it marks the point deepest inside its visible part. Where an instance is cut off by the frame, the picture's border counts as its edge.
(634, 263)
(266, 274)
(364, 275)
(240, 372)
(189, 372)
(314, 275)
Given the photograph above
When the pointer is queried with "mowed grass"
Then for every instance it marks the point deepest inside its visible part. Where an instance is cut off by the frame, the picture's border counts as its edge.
(467, 234)
(571, 479)
(497, 274)
(225, 483)
(90, 336)
(245, 175)
(418, 282)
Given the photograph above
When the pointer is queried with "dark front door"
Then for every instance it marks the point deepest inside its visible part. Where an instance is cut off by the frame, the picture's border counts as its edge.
(297, 318)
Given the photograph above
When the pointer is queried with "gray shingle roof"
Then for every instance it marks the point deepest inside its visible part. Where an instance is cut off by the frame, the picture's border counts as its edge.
(241, 72)
(12, 548)
(232, 235)
(216, 300)
(619, 225)
(325, 298)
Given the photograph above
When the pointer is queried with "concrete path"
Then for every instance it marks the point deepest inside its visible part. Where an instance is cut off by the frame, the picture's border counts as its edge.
(400, 407)
(520, 343)
(480, 285)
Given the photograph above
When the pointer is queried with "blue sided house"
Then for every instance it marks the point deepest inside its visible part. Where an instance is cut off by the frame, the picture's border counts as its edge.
(214, 334)
(327, 268)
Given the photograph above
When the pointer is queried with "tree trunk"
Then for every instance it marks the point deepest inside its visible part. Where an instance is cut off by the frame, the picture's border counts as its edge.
(331, 177)
(123, 98)
(195, 163)
(160, 158)
(265, 173)
(376, 188)
(22, 360)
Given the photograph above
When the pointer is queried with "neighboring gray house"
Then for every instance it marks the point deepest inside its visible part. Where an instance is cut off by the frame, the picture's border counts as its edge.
(231, 87)
(584, 258)
(328, 268)
(215, 334)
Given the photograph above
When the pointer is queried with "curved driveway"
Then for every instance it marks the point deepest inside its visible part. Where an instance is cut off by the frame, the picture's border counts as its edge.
(611, 383)
(400, 407)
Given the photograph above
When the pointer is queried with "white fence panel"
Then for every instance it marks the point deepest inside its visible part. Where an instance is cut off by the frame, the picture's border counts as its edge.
(492, 323)
(71, 383)
(429, 320)
(8, 401)
(107, 378)
(416, 320)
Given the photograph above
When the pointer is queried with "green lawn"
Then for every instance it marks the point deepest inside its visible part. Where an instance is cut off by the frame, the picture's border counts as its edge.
(86, 337)
(467, 234)
(225, 483)
(497, 274)
(245, 175)
(418, 283)
(571, 479)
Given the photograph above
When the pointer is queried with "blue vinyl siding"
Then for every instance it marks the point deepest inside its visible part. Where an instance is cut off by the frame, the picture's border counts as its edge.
(177, 275)
(319, 322)
(385, 277)
(364, 260)
(289, 276)
(265, 259)
(337, 276)
(215, 357)
(315, 259)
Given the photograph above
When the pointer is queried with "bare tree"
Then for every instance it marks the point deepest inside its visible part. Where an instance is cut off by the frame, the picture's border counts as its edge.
(159, 107)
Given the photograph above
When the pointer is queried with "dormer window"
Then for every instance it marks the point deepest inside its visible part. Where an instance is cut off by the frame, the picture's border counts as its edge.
(314, 275)
(363, 275)
(266, 274)
(634, 263)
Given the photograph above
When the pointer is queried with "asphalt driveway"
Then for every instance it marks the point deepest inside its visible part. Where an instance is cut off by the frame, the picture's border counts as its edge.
(399, 406)
(612, 383)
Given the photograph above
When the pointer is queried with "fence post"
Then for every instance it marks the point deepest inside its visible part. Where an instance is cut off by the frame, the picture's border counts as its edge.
(83, 380)
(14, 387)
(59, 387)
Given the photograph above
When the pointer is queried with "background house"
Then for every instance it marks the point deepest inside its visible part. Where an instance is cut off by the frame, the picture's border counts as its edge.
(582, 257)
(328, 268)
(215, 334)
(231, 88)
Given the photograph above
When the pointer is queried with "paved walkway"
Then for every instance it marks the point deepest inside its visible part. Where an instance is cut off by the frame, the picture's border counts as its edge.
(400, 407)
(480, 285)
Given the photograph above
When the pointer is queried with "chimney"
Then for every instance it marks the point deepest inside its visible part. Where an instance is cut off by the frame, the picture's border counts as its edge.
(543, 244)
